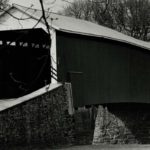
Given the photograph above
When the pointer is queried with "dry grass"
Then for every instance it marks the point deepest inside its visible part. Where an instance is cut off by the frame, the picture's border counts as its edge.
(108, 147)
(86, 147)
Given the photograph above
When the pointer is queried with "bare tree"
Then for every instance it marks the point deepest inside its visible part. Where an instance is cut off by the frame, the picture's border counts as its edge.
(44, 16)
(81, 9)
(138, 18)
(131, 17)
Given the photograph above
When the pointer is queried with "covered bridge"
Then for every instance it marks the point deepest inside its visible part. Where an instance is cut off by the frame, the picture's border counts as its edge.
(103, 65)
(24, 61)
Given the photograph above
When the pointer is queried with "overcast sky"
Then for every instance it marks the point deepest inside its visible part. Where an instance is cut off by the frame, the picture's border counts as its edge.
(58, 5)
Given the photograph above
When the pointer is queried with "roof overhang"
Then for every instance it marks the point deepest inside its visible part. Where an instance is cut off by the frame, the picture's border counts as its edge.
(107, 34)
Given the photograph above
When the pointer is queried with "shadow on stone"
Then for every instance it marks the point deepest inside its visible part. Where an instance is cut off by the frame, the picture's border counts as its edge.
(123, 124)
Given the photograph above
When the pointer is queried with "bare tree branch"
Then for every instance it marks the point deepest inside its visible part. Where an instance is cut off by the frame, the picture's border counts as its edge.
(6, 11)
(44, 17)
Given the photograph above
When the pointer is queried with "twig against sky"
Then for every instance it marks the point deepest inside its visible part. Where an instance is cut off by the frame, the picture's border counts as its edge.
(38, 22)
(18, 18)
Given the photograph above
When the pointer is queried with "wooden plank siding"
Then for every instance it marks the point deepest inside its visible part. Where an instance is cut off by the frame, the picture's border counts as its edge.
(111, 71)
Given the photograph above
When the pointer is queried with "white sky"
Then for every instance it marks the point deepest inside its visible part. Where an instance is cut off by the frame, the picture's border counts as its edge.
(58, 5)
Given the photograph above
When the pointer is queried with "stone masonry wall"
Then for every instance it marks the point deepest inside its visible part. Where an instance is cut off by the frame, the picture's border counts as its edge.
(42, 120)
(122, 124)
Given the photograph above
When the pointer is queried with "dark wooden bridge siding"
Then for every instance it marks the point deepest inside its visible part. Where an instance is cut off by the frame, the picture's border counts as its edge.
(103, 70)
